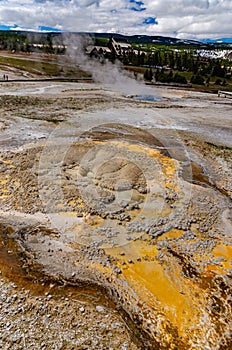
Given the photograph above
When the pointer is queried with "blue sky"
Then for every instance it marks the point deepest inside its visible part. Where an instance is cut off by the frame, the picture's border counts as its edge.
(192, 19)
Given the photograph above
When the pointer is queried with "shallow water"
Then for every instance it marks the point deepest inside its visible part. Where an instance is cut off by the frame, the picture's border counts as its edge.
(31, 278)
(148, 277)
(151, 98)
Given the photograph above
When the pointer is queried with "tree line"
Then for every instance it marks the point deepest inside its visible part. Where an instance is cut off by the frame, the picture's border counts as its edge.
(165, 64)
(50, 43)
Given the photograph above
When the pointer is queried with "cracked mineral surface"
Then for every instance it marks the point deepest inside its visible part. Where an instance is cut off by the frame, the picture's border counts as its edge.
(115, 218)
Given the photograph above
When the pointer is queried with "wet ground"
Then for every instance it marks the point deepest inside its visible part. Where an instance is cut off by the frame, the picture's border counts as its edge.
(128, 201)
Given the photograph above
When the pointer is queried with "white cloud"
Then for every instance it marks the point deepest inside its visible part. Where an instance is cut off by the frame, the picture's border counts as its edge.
(182, 18)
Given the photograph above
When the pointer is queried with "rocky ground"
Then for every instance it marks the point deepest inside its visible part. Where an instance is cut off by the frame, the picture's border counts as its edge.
(47, 322)
(127, 195)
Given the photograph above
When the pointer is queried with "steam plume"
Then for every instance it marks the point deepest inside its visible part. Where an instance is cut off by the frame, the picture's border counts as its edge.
(106, 73)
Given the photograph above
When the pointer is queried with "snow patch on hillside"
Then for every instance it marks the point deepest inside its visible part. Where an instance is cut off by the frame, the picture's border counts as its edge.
(215, 53)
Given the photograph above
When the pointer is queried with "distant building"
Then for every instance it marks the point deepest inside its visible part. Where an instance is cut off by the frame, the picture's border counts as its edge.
(98, 51)
(115, 48)
(119, 46)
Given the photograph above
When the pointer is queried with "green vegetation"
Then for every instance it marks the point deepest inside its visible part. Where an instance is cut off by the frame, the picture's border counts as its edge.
(49, 120)
(176, 64)
(42, 67)
(32, 42)
(101, 41)
(219, 146)
(32, 66)
(158, 62)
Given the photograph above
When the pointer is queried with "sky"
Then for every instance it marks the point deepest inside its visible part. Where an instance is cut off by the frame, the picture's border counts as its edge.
(184, 19)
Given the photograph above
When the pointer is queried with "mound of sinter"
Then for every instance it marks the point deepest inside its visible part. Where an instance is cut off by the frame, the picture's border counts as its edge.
(111, 208)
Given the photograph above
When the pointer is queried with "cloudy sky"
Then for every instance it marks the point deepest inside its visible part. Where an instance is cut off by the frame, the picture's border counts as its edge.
(192, 19)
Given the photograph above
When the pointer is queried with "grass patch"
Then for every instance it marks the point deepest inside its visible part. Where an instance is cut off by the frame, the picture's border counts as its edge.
(8, 101)
(220, 147)
(42, 68)
(49, 120)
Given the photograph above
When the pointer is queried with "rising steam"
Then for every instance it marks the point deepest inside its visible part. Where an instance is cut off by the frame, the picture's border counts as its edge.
(106, 73)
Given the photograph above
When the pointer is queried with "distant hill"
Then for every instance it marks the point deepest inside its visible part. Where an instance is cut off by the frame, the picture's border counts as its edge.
(147, 39)
(136, 39)
(163, 40)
